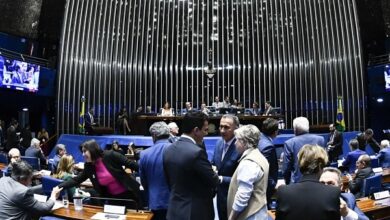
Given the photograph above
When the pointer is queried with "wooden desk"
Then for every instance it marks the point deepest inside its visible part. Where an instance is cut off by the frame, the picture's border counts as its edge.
(89, 211)
(375, 209)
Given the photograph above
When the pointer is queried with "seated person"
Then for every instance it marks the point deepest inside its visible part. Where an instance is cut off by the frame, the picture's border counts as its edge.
(188, 108)
(348, 208)
(217, 104)
(13, 156)
(352, 157)
(43, 135)
(35, 151)
(309, 199)
(226, 102)
(234, 105)
(204, 109)
(123, 122)
(60, 152)
(364, 170)
(149, 110)
(115, 147)
(268, 110)
(65, 171)
(255, 109)
(167, 110)
(384, 154)
(17, 201)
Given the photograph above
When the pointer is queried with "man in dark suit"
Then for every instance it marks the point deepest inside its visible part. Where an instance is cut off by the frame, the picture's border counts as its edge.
(364, 170)
(268, 110)
(350, 161)
(12, 137)
(35, 151)
(225, 159)
(17, 200)
(367, 137)
(89, 121)
(335, 143)
(348, 209)
(266, 146)
(190, 176)
(293, 145)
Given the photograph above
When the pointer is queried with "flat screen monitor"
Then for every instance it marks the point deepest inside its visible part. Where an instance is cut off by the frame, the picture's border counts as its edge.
(19, 75)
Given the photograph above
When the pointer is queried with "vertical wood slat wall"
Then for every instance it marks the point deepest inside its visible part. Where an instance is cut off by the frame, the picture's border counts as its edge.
(299, 54)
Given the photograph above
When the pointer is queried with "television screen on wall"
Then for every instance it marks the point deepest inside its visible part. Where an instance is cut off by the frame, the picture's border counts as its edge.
(19, 75)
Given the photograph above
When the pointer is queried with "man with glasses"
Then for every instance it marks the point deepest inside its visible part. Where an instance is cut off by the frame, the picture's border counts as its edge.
(348, 208)
(364, 170)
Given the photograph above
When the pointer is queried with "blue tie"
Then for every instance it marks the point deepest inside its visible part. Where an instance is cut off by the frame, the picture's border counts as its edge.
(225, 148)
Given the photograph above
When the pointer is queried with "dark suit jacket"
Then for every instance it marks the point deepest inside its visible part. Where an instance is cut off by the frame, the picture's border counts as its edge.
(309, 200)
(12, 138)
(291, 149)
(267, 148)
(88, 123)
(356, 184)
(113, 162)
(372, 142)
(336, 143)
(350, 160)
(36, 152)
(191, 180)
(226, 169)
(349, 198)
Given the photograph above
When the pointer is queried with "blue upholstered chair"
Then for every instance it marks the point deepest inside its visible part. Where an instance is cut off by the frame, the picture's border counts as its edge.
(33, 161)
(371, 185)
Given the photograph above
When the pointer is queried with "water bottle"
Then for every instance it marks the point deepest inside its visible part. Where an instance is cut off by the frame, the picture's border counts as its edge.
(77, 200)
(65, 200)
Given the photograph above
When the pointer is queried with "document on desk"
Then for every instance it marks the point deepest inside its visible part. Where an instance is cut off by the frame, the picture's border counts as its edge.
(108, 216)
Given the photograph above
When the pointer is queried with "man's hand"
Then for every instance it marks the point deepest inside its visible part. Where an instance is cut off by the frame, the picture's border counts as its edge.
(55, 193)
(343, 208)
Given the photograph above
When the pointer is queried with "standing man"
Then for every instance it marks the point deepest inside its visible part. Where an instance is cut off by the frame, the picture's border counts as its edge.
(293, 145)
(152, 173)
(226, 160)
(367, 137)
(335, 143)
(190, 176)
(89, 121)
(12, 137)
(267, 148)
(173, 132)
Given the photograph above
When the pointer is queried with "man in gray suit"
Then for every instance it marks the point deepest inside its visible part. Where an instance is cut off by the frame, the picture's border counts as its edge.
(16, 199)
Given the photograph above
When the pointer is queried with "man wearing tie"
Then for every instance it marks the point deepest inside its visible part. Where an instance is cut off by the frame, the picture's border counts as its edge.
(225, 160)
(335, 144)
(89, 121)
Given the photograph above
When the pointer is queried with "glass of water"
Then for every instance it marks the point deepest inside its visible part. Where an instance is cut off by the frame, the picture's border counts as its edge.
(65, 200)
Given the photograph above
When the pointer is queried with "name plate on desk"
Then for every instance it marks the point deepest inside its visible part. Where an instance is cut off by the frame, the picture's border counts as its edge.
(115, 209)
(381, 195)
(377, 170)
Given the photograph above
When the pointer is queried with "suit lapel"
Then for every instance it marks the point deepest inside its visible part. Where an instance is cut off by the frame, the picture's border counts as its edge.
(228, 153)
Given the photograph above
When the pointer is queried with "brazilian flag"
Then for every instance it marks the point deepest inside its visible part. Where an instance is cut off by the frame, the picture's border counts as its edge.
(340, 123)
(81, 118)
